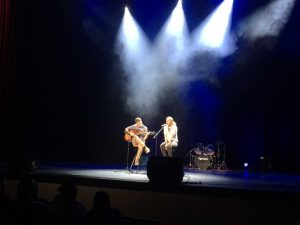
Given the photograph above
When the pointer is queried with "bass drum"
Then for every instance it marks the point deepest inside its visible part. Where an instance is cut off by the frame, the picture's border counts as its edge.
(203, 161)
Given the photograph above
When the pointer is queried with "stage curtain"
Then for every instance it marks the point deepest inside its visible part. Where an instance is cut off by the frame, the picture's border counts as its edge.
(8, 16)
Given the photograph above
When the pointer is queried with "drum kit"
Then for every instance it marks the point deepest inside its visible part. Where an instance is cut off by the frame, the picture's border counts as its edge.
(208, 157)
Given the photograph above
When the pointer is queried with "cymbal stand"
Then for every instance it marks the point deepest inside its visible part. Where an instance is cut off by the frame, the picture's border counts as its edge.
(190, 164)
(223, 165)
(218, 156)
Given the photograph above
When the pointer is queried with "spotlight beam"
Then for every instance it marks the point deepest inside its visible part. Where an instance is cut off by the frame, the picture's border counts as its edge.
(171, 42)
(177, 20)
(216, 28)
(133, 49)
(267, 21)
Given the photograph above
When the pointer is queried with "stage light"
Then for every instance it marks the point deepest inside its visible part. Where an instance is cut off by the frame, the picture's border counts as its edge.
(246, 170)
(213, 32)
(171, 42)
(177, 20)
(132, 42)
(174, 33)
(130, 29)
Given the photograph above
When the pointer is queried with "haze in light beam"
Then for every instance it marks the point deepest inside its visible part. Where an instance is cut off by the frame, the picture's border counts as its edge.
(171, 43)
(130, 34)
(133, 49)
(176, 21)
(214, 32)
(267, 21)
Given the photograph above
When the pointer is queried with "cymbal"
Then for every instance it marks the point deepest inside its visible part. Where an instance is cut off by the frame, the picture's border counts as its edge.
(219, 142)
(199, 144)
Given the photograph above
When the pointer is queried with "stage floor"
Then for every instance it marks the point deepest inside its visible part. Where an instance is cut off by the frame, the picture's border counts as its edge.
(195, 181)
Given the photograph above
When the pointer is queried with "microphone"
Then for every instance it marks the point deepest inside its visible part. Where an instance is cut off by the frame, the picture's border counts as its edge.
(163, 125)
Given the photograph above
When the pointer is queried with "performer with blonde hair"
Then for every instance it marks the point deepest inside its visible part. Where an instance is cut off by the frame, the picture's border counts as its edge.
(170, 137)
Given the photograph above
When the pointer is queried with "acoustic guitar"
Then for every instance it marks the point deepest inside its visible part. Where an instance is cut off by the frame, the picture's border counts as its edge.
(128, 135)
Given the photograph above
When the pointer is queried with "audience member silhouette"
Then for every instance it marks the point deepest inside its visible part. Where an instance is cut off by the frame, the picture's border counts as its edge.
(4, 200)
(64, 209)
(27, 208)
(101, 212)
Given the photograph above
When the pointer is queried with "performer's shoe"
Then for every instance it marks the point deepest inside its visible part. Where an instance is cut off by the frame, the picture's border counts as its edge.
(137, 162)
(147, 150)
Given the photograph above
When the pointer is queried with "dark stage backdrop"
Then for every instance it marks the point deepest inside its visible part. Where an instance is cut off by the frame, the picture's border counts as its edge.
(69, 104)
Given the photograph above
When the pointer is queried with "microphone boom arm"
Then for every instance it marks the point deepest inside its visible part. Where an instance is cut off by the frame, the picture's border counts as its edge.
(158, 132)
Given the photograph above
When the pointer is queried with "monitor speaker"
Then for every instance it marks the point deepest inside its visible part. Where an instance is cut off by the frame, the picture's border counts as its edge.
(165, 170)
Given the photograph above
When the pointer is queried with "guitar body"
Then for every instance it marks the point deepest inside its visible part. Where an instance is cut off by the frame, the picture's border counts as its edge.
(128, 135)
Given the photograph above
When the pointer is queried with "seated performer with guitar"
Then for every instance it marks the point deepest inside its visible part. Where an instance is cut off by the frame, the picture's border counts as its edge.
(170, 137)
(137, 134)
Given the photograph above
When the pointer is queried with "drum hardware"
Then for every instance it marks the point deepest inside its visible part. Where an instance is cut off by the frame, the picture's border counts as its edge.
(218, 143)
(208, 157)
(191, 156)
(201, 156)
(221, 165)
(193, 153)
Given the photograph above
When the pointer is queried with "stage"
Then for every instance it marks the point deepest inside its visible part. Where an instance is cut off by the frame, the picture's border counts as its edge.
(234, 183)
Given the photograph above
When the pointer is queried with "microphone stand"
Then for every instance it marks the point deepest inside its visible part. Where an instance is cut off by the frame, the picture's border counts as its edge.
(127, 168)
(156, 139)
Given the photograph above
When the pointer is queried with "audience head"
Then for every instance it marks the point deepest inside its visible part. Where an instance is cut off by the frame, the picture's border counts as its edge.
(67, 191)
(101, 201)
(27, 189)
(1, 186)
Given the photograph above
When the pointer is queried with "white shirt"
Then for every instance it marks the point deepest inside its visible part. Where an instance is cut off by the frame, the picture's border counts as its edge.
(170, 133)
